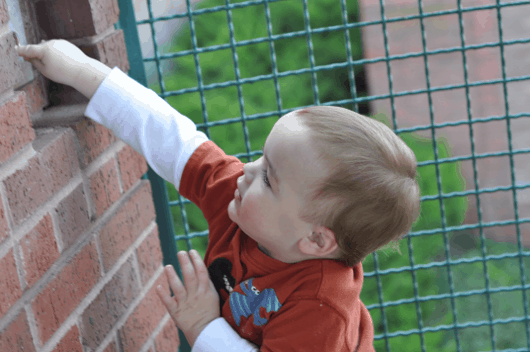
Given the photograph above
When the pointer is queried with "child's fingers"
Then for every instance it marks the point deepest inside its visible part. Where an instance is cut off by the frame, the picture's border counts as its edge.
(31, 51)
(176, 285)
(169, 302)
(200, 269)
(188, 272)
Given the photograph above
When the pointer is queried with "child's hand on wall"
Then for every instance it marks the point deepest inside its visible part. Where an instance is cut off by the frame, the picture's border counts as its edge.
(58, 59)
(196, 303)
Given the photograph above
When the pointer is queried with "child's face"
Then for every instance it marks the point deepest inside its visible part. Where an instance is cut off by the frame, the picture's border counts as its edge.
(270, 215)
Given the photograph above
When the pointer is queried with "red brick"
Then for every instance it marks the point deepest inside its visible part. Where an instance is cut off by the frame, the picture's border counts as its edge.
(144, 319)
(15, 126)
(10, 66)
(101, 315)
(39, 250)
(11, 290)
(72, 216)
(105, 14)
(4, 14)
(149, 255)
(93, 139)
(36, 94)
(168, 338)
(70, 342)
(105, 187)
(83, 18)
(44, 174)
(27, 189)
(122, 289)
(132, 166)
(121, 231)
(110, 50)
(17, 336)
(65, 19)
(4, 228)
(62, 295)
(57, 154)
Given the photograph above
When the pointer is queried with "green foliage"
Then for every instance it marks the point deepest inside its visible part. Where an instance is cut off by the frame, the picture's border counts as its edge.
(223, 103)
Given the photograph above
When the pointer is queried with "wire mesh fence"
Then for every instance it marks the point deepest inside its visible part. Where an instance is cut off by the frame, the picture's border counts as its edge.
(446, 77)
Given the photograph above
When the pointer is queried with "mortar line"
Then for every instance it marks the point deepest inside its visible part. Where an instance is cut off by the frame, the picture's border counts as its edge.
(32, 323)
(17, 161)
(118, 169)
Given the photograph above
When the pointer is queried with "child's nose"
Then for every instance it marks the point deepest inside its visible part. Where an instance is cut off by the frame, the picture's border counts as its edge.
(248, 170)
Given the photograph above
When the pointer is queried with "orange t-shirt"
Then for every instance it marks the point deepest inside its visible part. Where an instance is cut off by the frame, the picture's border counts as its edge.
(312, 305)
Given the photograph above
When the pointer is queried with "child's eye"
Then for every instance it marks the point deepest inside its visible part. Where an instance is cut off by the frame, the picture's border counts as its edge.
(265, 178)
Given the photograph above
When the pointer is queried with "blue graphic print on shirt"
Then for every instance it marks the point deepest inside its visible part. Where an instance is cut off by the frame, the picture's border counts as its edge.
(251, 301)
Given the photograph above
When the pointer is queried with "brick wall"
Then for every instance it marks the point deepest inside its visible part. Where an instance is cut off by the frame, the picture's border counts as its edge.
(445, 69)
(79, 251)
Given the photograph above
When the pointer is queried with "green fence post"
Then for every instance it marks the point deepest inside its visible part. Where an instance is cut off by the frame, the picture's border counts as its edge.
(166, 233)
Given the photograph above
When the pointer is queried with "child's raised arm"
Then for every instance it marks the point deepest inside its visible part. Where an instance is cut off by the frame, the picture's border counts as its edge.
(134, 113)
(63, 62)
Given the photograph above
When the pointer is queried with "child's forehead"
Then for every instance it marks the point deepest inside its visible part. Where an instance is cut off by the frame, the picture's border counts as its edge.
(293, 157)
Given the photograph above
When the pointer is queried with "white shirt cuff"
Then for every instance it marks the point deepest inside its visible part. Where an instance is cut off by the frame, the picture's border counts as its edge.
(219, 336)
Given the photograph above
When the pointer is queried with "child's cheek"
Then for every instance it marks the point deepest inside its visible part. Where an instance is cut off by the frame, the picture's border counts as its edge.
(250, 211)
(247, 206)
(287, 223)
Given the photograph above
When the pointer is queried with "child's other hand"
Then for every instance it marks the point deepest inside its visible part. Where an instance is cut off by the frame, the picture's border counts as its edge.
(196, 303)
(56, 59)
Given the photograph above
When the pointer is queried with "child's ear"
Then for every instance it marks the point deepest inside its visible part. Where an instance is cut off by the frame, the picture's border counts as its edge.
(320, 243)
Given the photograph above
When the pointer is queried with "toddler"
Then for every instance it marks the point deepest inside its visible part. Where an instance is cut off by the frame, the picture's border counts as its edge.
(287, 232)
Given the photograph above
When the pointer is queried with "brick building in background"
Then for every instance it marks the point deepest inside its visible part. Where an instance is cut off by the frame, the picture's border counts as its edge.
(79, 251)
(446, 69)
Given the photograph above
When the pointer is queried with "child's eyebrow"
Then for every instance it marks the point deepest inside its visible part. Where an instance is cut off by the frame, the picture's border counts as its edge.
(273, 170)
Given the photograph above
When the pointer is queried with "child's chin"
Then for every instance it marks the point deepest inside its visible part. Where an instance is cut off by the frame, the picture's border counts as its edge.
(232, 214)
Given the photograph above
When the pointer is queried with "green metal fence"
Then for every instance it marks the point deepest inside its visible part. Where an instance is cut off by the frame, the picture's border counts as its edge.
(443, 317)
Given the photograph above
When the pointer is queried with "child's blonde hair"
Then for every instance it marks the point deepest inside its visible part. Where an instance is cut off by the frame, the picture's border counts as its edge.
(371, 195)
